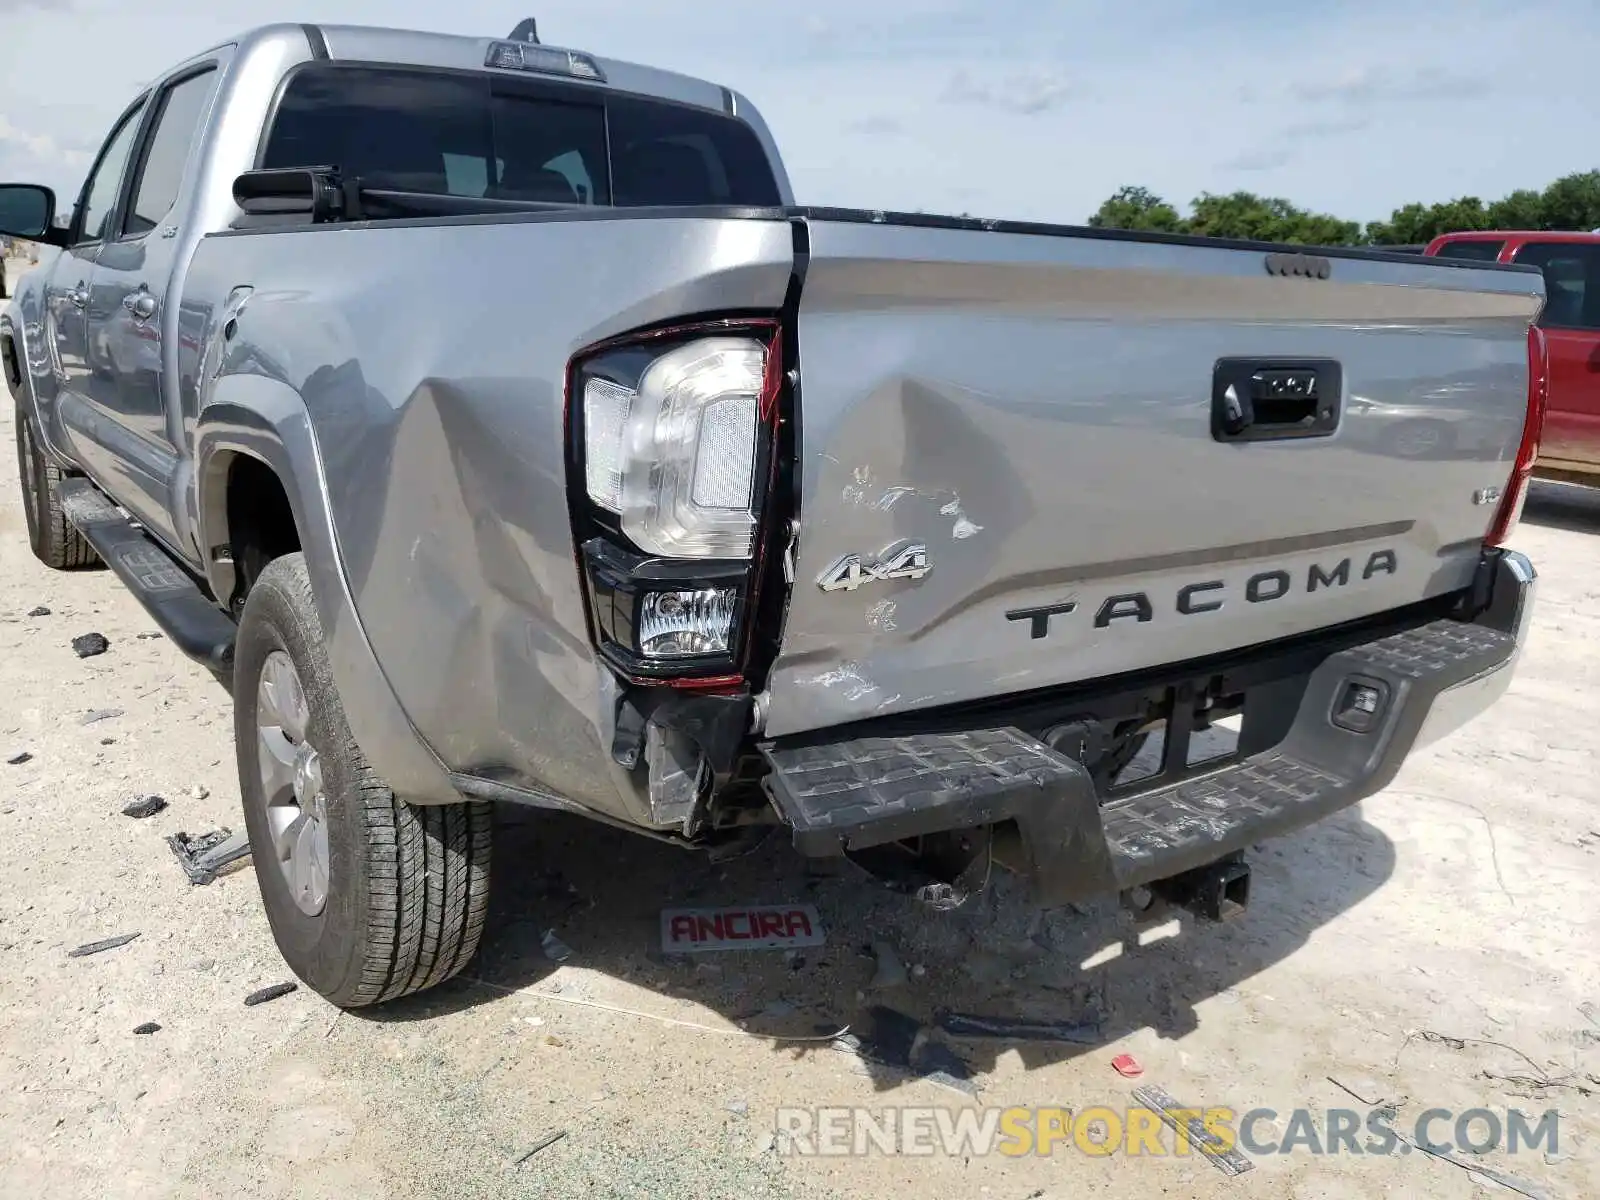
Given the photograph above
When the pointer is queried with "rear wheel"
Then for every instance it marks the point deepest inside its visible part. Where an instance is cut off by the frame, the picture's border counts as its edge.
(55, 540)
(369, 898)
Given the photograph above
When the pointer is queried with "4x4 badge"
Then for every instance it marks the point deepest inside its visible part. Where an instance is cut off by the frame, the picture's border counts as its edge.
(847, 573)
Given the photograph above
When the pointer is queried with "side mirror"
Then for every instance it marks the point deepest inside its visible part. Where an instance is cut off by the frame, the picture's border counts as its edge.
(28, 211)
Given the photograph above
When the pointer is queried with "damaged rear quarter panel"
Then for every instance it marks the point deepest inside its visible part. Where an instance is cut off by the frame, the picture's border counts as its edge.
(432, 361)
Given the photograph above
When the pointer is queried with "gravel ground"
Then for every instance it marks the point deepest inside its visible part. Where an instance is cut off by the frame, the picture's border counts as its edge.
(1463, 900)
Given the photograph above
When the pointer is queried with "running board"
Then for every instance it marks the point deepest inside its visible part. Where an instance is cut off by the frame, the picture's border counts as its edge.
(169, 593)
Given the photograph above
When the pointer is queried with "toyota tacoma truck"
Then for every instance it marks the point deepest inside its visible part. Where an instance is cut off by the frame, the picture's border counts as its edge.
(488, 415)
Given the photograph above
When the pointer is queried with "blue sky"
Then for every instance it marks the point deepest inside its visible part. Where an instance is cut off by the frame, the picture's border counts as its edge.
(1033, 109)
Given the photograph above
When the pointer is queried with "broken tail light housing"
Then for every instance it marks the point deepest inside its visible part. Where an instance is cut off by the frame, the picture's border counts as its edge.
(1516, 492)
(672, 443)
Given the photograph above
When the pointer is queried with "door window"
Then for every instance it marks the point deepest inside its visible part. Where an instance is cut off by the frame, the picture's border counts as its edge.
(1571, 282)
(161, 172)
(100, 193)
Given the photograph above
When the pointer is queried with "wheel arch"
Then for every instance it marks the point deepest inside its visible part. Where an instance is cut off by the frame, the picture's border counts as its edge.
(263, 423)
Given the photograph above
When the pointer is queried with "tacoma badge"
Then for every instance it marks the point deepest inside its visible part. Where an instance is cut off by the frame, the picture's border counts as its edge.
(909, 561)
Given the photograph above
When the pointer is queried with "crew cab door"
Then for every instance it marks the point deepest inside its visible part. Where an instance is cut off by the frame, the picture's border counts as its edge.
(130, 327)
(1571, 322)
(68, 294)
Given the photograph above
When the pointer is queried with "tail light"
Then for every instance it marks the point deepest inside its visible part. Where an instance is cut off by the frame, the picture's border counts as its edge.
(672, 437)
(1516, 491)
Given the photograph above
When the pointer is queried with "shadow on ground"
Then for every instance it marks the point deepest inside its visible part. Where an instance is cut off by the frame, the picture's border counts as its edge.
(602, 891)
(1563, 506)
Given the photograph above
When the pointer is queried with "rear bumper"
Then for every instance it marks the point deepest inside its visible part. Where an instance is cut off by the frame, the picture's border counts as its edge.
(854, 794)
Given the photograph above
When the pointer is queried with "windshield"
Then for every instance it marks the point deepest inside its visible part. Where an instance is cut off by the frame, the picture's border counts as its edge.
(475, 135)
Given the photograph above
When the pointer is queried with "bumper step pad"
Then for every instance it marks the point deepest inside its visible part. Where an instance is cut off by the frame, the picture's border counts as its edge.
(867, 791)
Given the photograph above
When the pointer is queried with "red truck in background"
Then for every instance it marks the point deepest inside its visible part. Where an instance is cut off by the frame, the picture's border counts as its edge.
(1570, 450)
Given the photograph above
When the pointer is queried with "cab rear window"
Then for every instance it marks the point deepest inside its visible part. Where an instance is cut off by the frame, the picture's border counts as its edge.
(475, 135)
(1476, 251)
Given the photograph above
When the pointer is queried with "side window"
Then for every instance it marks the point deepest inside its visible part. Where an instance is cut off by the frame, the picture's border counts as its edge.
(1571, 282)
(100, 193)
(161, 172)
(1474, 250)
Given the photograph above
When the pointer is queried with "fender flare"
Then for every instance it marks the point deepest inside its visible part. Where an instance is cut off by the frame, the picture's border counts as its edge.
(265, 419)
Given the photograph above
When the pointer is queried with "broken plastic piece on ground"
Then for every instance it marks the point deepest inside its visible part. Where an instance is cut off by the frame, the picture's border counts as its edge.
(147, 637)
(145, 806)
(272, 992)
(110, 943)
(17, 759)
(147, 1027)
(554, 948)
(751, 927)
(89, 644)
(894, 1039)
(40, 611)
(1127, 1066)
(970, 1025)
(100, 714)
(203, 858)
(1162, 1103)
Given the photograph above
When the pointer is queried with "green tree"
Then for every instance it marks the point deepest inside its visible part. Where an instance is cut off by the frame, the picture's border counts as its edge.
(1268, 219)
(1572, 202)
(1137, 208)
(1522, 209)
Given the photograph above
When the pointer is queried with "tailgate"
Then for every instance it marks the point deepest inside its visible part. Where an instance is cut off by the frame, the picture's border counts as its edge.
(1030, 417)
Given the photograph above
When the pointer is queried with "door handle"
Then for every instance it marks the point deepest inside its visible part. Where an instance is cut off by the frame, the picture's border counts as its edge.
(141, 304)
(79, 296)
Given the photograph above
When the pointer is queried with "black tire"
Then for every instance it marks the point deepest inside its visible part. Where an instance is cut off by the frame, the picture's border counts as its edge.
(407, 886)
(55, 540)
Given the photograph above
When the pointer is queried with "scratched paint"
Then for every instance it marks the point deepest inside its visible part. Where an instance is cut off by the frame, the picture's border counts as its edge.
(964, 527)
(881, 616)
(848, 679)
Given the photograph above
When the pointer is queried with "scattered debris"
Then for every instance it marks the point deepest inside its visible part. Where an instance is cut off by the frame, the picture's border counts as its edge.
(202, 858)
(1363, 1090)
(754, 927)
(145, 806)
(898, 1041)
(969, 1025)
(1162, 1103)
(940, 1064)
(1477, 1169)
(272, 992)
(891, 972)
(147, 1027)
(737, 1107)
(97, 947)
(20, 757)
(554, 948)
(40, 611)
(100, 714)
(90, 644)
(549, 1139)
(1542, 1081)
(148, 637)
(1127, 1066)
(108, 741)
(198, 793)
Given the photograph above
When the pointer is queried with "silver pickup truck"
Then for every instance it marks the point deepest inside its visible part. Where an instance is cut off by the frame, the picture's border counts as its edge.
(491, 418)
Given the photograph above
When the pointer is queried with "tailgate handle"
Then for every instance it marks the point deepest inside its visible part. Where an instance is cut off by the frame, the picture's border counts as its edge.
(1257, 400)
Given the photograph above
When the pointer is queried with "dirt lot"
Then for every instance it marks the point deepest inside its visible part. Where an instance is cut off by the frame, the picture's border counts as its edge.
(1465, 901)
